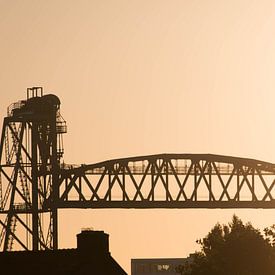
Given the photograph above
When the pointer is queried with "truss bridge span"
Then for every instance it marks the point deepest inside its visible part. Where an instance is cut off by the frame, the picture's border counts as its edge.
(169, 181)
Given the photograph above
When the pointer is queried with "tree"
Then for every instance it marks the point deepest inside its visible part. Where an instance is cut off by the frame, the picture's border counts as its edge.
(234, 249)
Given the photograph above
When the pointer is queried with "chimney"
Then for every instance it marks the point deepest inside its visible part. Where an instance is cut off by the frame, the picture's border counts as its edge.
(93, 242)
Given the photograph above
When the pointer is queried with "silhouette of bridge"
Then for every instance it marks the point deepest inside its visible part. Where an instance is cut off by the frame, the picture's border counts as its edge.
(169, 181)
(35, 182)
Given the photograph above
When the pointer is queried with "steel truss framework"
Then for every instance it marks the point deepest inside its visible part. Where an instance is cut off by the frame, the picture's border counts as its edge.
(169, 181)
(30, 154)
(34, 182)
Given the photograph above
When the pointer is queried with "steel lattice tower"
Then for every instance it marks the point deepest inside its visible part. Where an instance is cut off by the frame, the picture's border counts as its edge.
(31, 151)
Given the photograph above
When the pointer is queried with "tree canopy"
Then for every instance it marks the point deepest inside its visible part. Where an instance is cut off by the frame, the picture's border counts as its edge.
(234, 249)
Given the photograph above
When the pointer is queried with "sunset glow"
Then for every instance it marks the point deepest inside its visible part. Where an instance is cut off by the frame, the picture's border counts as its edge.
(148, 77)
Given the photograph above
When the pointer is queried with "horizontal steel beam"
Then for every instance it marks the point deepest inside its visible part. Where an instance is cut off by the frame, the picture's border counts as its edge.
(167, 204)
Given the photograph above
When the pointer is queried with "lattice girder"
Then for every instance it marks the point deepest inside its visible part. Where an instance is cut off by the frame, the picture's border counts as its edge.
(169, 181)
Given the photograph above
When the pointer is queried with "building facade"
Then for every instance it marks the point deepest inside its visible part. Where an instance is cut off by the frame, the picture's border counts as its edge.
(158, 266)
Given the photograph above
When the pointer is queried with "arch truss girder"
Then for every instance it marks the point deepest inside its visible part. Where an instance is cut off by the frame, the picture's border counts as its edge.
(169, 181)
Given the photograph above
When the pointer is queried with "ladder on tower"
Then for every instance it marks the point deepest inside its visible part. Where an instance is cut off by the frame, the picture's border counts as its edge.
(22, 176)
(12, 231)
(4, 231)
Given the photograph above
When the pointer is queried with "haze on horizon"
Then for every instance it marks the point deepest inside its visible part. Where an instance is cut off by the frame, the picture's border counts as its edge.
(148, 77)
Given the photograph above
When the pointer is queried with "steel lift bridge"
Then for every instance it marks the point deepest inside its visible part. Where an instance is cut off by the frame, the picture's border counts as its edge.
(35, 182)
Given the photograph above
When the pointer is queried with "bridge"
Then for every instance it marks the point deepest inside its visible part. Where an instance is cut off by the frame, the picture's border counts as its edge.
(35, 182)
(169, 181)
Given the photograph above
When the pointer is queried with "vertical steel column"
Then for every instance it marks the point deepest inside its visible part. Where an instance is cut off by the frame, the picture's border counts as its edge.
(55, 183)
(34, 173)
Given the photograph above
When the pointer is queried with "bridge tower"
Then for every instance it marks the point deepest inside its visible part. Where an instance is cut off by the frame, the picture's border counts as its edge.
(31, 152)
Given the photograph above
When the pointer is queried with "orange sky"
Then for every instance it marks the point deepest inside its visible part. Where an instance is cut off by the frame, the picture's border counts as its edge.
(145, 77)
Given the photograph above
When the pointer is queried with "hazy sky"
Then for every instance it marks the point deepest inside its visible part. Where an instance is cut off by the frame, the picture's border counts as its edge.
(144, 77)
